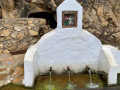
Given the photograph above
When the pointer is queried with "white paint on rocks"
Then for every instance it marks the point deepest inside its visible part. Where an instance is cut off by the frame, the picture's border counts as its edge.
(71, 47)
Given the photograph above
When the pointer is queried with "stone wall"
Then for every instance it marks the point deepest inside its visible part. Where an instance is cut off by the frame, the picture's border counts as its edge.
(17, 34)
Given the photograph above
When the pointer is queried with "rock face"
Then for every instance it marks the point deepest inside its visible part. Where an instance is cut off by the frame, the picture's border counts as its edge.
(15, 8)
(17, 35)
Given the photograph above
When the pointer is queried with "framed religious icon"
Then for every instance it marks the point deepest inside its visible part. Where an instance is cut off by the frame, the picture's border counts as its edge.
(69, 19)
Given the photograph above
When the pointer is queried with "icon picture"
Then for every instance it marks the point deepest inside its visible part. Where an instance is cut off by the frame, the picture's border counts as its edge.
(69, 19)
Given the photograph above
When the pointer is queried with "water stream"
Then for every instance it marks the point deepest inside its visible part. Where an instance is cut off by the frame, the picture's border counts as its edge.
(70, 85)
(50, 77)
(91, 84)
(50, 86)
(69, 77)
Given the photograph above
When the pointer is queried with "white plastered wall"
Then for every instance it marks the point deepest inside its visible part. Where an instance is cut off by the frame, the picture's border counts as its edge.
(108, 63)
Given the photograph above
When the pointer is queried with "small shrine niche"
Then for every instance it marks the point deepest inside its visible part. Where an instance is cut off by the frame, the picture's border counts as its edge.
(69, 19)
(69, 15)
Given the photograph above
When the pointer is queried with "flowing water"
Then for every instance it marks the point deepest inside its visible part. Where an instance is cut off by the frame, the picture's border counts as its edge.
(91, 84)
(69, 77)
(70, 85)
(50, 86)
(50, 77)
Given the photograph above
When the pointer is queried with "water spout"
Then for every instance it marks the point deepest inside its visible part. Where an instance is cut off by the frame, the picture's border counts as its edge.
(70, 85)
(91, 83)
(68, 68)
(50, 70)
(50, 86)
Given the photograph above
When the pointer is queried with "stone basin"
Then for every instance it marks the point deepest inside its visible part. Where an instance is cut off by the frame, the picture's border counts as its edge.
(60, 82)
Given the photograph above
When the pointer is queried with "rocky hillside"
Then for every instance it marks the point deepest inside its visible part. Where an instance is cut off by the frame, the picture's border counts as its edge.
(100, 17)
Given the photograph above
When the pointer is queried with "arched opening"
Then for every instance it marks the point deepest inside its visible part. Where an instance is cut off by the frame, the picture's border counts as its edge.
(46, 15)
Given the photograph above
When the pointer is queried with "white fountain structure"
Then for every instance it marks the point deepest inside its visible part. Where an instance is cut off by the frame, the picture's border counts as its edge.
(70, 46)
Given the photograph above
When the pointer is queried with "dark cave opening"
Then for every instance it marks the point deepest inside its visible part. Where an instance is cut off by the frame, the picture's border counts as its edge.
(50, 20)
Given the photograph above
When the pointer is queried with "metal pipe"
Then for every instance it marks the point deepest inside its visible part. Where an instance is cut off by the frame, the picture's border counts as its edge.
(50, 69)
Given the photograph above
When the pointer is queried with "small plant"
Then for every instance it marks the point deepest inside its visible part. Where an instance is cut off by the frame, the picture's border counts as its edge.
(118, 79)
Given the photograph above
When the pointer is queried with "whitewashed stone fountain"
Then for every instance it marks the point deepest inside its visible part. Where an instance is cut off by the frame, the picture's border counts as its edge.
(70, 45)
